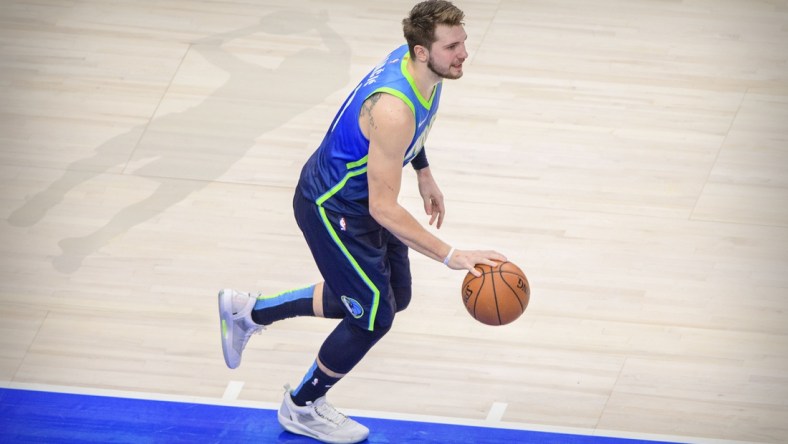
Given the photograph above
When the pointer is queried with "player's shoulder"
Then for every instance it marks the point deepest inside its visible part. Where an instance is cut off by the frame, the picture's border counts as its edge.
(389, 109)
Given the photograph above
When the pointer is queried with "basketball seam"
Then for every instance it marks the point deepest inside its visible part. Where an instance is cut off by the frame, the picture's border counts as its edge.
(514, 291)
(476, 300)
(495, 295)
(519, 276)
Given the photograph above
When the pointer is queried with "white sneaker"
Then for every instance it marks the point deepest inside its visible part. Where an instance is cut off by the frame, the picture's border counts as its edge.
(237, 326)
(320, 420)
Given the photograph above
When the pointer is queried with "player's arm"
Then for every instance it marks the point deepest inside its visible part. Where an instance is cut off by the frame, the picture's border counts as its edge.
(428, 188)
(431, 195)
(389, 125)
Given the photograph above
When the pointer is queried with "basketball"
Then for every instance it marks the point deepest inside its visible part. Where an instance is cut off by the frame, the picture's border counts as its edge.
(499, 296)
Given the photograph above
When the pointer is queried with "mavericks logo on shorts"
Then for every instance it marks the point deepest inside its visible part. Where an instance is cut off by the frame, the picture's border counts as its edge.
(353, 307)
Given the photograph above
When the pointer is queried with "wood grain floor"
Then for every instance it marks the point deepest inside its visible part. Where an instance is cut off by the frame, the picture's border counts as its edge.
(630, 156)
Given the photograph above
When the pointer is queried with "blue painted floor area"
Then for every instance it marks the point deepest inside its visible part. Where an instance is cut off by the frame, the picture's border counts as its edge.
(28, 416)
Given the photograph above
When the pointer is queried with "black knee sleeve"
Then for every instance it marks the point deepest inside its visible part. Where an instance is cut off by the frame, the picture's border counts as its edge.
(347, 345)
(332, 307)
(401, 297)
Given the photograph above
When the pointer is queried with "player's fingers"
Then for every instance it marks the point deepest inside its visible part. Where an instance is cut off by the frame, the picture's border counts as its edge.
(440, 218)
(491, 258)
(475, 271)
(440, 209)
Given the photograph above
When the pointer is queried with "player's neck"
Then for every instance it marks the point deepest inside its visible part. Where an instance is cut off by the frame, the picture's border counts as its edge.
(423, 77)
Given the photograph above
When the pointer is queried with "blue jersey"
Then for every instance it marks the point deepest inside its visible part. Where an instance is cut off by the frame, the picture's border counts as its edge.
(335, 176)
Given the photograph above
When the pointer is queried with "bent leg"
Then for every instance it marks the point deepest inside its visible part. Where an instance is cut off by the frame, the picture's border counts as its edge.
(340, 352)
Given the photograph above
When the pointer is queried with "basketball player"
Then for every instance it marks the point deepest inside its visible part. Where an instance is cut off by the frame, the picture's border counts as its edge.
(346, 206)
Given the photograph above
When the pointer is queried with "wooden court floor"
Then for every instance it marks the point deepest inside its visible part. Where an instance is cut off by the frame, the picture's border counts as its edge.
(630, 155)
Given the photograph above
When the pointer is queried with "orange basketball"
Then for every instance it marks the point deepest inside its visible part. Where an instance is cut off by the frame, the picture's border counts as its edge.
(499, 296)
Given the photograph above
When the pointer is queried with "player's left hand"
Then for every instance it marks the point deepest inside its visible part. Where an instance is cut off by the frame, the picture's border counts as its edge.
(432, 196)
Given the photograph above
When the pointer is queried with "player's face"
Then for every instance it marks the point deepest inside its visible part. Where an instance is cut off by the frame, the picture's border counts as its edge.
(448, 52)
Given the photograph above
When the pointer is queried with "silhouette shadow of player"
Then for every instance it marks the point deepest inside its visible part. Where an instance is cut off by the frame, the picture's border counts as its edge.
(203, 142)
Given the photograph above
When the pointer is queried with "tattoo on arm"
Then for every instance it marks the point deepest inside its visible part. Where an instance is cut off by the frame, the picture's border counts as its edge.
(366, 111)
(366, 108)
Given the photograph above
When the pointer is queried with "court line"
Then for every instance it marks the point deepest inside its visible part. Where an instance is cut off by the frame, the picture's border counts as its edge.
(233, 390)
(496, 411)
(367, 413)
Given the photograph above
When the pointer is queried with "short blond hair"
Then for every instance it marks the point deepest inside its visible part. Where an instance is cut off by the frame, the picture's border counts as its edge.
(419, 26)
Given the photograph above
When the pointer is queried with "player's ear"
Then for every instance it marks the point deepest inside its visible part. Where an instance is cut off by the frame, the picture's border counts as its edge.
(422, 53)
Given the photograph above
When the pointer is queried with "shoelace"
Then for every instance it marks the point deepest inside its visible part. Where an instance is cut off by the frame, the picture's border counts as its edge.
(250, 328)
(329, 413)
(251, 331)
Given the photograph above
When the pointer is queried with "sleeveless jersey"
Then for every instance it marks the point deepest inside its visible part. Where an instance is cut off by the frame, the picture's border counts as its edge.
(335, 176)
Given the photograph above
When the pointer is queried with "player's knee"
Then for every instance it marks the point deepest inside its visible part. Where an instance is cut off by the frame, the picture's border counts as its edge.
(373, 335)
(382, 329)
(348, 344)
(402, 297)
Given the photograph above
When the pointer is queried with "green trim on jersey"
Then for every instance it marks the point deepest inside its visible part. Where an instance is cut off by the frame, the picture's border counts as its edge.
(327, 223)
(424, 102)
(359, 162)
(348, 176)
(397, 93)
(375, 291)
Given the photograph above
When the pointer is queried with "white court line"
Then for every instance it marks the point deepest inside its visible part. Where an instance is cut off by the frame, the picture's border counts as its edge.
(233, 390)
(367, 413)
(496, 412)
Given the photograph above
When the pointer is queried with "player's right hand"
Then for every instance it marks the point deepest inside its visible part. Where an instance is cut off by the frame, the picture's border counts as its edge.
(467, 260)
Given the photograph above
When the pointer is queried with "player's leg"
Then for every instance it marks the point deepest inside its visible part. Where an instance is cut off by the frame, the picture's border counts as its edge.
(351, 255)
(349, 341)
(244, 314)
(287, 304)
(305, 410)
(344, 347)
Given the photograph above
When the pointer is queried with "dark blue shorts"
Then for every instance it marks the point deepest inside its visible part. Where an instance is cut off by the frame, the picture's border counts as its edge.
(360, 261)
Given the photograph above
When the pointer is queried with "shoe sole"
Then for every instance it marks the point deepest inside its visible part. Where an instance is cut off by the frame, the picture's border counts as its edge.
(294, 427)
(299, 429)
(226, 328)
